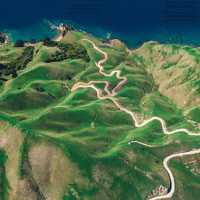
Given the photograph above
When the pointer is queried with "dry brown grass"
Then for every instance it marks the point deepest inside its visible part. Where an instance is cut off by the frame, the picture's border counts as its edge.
(52, 170)
(172, 81)
(10, 141)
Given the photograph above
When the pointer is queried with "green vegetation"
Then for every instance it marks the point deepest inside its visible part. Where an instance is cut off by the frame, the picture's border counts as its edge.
(74, 145)
(72, 51)
(3, 180)
(11, 69)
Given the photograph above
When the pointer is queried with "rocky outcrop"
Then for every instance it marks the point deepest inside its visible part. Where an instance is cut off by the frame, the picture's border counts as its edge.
(3, 38)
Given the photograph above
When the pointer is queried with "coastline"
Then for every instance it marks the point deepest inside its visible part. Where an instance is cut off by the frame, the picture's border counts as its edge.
(170, 35)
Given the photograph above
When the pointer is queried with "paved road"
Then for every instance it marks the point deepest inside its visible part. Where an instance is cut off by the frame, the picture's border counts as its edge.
(110, 95)
(171, 176)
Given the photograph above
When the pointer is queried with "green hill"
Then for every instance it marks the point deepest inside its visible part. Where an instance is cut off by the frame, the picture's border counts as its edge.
(57, 144)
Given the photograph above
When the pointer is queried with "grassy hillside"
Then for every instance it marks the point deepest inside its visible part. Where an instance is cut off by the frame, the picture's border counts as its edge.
(57, 144)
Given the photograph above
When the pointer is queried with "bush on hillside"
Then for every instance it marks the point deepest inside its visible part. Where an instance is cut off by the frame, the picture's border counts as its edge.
(72, 51)
(12, 68)
(48, 42)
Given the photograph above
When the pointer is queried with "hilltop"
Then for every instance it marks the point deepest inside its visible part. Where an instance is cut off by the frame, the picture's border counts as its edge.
(57, 143)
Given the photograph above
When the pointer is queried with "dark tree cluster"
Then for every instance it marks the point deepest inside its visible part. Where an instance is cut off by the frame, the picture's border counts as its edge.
(49, 43)
(66, 51)
(19, 43)
(2, 66)
(21, 62)
(11, 69)
(2, 38)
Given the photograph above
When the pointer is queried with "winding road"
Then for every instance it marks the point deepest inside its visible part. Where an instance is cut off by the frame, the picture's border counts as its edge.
(111, 96)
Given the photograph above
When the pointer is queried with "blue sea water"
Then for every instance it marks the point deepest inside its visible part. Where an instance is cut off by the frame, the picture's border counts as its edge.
(134, 21)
